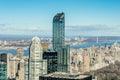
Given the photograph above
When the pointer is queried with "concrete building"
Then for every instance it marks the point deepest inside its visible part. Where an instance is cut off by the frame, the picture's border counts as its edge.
(13, 66)
(76, 60)
(59, 43)
(65, 76)
(26, 64)
(44, 46)
(20, 53)
(20, 65)
(20, 71)
(37, 66)
(16, 68)
(86, 62)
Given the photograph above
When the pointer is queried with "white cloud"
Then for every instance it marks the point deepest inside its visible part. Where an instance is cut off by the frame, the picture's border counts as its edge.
(82, 30)
(93, 30)
(13, 29)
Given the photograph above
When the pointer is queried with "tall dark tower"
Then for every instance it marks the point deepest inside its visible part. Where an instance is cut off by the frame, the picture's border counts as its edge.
(58, 30)
(59, 43)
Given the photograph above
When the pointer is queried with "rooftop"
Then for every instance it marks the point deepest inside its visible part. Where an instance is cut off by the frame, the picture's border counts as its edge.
(59, 16)
(66, 75)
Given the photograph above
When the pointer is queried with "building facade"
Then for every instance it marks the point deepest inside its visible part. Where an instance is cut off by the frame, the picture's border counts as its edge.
(63, 57)
(5, 57)
(37, 66)
(20, 53)
(58, 30)
(59, 43)
(20, 70)
(65, 76)
(51, 57)
(13, 67)
(26, 64)
(3, 71)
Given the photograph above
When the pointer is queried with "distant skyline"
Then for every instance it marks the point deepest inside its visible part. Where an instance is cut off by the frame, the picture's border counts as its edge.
(82, 17)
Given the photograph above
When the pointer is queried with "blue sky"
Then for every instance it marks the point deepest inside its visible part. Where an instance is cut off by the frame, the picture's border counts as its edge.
(82, 17)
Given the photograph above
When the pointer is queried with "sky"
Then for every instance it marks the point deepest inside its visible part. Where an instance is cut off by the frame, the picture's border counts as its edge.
(82, 17)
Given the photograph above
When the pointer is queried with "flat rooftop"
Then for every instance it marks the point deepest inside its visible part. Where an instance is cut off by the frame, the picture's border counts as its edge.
(66, 75)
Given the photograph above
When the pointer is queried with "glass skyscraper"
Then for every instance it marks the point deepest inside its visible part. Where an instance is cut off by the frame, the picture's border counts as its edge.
(58, 30)
(3, 71)
(59, 43)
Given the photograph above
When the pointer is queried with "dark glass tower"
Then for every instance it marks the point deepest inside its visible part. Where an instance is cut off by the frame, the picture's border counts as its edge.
(58, 30)
(59, 43)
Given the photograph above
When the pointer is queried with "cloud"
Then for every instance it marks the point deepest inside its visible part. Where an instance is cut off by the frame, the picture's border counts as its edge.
(1, 25)
(88, 27)
(93, 30)
(30, 29)
(82, 30)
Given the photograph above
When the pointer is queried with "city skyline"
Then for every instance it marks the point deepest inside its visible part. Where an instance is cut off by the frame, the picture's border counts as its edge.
(83, 17)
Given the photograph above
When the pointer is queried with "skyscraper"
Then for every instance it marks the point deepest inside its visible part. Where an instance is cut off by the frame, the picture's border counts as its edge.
(26, 68)
(51, 57)
(58, 30)
(59, 43)
(20, 71)
(37, 66)
(4, 57)
(3, 71)
(20, 53)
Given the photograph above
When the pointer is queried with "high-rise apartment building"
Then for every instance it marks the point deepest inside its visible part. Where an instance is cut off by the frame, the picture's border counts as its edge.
(51, 57)
(86, 62)
(3, 71)
(20, 53)
(4, 57)
(26, 64)
(59, 43)
(13, 67)
(20, 71)
(37, 66)
(58, 30)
